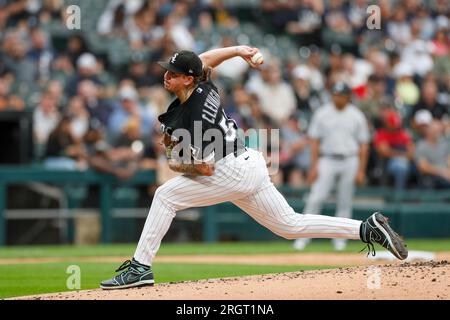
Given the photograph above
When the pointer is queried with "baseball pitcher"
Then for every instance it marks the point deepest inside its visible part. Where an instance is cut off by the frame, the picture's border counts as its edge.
(220, 168)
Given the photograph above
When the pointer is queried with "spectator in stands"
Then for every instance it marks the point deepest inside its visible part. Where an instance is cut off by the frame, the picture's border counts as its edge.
(372, 106)
(277, 97)
(40, 53)
(295, 154)
(433, 157)
(52, 10)
(15, 59)
(357, 14)
(161, 54)
(405, 89)
(9, 101)
(334, 66)
(395, 148)
(337, 28)
(308, 23)
(121, 162)
(76, 46)
(271, 149)
(440, 8)
(429, 102)
(142, 30)
(56, 90)
(131, 133)
(314, 65)
(107, 77)
(4, 94)
(138, 72)
(308, 99)
(97, 107)
(238, 106)
(204, 29)
(63, 150)
(356, 72)
(155, 100)
(87, 69)
(62, 69)
(422, 119)
(112, 21)
(440, 49)
(178, 32)
(381, 68)
(277, 14)
(128, 110)
(79, 117)
(416, 52)
(411, 8)
(440, 45)
(398, 28)
(45, 118)
(428, 26)
(254, 119)
(12, 11)
(445, 94)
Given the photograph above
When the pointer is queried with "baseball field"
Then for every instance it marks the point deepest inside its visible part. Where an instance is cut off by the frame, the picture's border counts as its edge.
(228, 271)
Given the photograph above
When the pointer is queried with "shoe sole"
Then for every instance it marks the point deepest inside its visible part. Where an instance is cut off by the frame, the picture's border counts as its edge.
(132, 285)
(395, 242)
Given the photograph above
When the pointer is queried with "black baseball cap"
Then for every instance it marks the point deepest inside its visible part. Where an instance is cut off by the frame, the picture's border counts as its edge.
(185, 62)
(341, 88)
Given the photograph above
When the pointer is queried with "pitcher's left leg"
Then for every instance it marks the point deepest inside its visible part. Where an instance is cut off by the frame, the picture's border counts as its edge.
(268, 207)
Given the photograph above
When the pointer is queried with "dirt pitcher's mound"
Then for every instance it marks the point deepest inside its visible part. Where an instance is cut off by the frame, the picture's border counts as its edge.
(424, 280)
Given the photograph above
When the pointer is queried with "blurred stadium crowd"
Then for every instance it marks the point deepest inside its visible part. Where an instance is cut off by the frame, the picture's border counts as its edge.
(95, 93)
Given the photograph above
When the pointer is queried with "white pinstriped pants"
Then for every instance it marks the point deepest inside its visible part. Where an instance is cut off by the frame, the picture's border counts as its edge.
(246, 183)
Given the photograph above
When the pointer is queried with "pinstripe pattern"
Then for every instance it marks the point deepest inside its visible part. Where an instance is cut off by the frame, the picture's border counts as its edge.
(246, 183)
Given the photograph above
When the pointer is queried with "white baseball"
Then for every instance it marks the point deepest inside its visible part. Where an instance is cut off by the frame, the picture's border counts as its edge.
(257, 58)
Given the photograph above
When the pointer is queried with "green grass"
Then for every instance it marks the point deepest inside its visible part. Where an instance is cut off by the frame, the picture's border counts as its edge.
(201, 248)
(20, 280)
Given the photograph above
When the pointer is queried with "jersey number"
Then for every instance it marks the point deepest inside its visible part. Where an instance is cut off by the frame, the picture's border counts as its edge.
(229, 128)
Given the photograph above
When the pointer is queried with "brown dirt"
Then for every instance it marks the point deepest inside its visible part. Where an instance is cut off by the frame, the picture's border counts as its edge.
(420, 280)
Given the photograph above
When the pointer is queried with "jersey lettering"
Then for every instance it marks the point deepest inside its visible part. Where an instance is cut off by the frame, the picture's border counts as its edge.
(204, 105)
(228, 127)
(211, 107)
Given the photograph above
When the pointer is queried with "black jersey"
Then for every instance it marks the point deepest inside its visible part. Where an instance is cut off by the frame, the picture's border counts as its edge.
(203, 107)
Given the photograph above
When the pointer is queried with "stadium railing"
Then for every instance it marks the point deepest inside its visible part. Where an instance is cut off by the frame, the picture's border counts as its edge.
(15, 175)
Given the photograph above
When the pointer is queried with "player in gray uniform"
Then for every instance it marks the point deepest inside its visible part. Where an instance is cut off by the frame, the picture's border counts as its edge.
(228, 172)
(340, 138)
